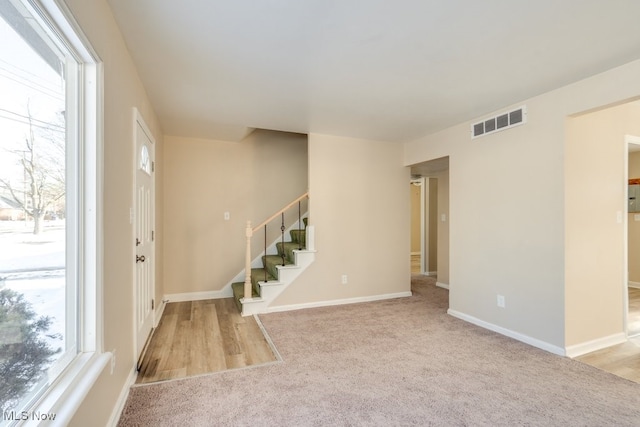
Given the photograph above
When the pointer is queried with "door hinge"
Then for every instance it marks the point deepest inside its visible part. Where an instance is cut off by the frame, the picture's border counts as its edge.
(153, 304)
(152, 235)
(153, 166)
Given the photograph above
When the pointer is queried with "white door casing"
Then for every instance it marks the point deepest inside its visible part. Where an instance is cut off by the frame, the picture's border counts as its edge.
(144, 225)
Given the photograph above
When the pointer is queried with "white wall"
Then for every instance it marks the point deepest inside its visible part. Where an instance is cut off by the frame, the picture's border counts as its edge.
(507, 219)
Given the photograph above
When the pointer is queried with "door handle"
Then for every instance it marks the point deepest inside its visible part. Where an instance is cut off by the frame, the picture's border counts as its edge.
(139, 258)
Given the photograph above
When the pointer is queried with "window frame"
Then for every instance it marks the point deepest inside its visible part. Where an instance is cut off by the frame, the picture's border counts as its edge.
(66, 392)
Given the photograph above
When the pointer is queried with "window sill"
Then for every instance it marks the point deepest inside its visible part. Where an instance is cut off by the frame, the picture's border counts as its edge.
(63, 397)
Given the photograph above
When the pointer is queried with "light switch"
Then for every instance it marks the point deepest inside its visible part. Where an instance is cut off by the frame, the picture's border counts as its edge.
(227, 216)
(636, 217)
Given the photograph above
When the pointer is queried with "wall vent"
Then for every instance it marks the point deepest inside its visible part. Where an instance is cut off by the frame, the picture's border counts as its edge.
(500, 122)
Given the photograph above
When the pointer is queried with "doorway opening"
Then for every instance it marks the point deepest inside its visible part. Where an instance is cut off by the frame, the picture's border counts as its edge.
(418, 226)
(430, 219)
(424, 225)
(632, 294)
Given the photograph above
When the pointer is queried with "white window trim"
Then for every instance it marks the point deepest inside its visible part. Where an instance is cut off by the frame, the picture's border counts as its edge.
(64, 396)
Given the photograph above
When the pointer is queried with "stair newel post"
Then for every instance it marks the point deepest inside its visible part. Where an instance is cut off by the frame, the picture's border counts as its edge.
(248, 294)
(299, 227)
(282, 228)
(265, 253)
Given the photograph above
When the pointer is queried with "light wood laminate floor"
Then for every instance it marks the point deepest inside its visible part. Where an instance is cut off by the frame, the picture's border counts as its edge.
(623, 359)
(634, 311)
(415, 263)
(198, 337)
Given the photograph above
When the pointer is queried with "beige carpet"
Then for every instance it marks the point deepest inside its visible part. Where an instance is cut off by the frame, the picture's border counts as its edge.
(390, 363)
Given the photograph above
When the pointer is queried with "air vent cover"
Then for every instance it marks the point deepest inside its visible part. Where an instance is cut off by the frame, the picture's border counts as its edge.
(500, 122)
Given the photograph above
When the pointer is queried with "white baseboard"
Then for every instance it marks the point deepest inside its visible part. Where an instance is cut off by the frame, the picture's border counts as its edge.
(292, 307)
(431, 273)
(122, 398)
(509, 333)
(442, 285)
(634, 284)
(595, 345)
(158, 314)
(197, 296)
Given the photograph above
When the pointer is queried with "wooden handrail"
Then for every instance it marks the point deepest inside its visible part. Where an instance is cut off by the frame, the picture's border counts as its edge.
(248, 293)
(272, 217)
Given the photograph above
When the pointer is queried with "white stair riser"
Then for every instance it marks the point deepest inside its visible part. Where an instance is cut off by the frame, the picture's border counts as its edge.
(256, 306)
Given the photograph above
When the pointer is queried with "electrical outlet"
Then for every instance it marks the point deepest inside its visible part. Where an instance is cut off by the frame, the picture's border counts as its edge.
(501, 301)
(344, 279)
(227, 215)
(113, 361)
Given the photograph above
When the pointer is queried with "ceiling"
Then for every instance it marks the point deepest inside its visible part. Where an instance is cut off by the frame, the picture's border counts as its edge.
(430, 168)
(380, 69)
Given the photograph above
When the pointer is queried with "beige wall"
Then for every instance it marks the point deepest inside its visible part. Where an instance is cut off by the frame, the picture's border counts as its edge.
(122, 92)
(595, 195)
(360, 208)
(443, 227)
(432, 229)
(634, 226)
(251, 180)
(507, 219)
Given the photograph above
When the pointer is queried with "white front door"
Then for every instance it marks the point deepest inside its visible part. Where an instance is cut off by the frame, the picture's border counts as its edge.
(144, 232)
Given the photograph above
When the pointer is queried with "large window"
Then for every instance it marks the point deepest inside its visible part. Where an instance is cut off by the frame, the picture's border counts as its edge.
(48, 205)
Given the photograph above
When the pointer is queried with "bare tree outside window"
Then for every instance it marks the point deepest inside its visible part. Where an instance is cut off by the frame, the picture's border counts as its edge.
(41, 189)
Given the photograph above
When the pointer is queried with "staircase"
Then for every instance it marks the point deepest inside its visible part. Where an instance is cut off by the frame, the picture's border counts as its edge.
(279, 269)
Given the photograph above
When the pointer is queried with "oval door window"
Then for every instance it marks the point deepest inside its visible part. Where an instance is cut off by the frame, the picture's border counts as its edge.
(145, 162)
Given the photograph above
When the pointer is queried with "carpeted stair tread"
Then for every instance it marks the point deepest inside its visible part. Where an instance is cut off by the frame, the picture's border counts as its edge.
(298, 236)
(257, 275)
(289, 247)
(275, 259)
(238, 293)
(272, 261)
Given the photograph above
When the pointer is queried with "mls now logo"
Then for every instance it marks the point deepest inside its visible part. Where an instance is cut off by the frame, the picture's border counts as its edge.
(26, 416)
